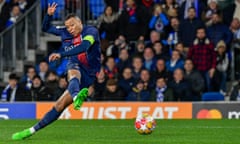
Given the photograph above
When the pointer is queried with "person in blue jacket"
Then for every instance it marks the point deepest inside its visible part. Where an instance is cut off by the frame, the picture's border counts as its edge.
(82, 48)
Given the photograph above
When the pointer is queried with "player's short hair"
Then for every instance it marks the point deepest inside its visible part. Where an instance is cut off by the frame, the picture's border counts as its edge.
(71, 15)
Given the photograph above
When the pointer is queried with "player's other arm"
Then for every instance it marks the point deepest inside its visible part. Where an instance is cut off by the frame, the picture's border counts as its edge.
(47, 26)
(83, 47)
(88, 40)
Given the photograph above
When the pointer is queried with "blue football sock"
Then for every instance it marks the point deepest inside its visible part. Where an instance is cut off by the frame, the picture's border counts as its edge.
(74, 87)
(50, 117)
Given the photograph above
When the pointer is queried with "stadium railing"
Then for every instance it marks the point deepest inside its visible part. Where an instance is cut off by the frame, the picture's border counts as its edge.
(18, 39)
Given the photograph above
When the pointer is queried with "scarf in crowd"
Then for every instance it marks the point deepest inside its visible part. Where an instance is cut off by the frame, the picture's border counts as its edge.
(160, 95)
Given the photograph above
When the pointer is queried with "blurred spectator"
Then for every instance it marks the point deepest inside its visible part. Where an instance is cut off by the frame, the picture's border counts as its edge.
(170, 7)
(154, 37)
(14, 15)
(5, 9)
(26, 80)
(146, 79)
(51, 82)
(237, 9)
(198, 5)
(123, 61)
(208, 13)
(159, 20)
(235, 29)
(195, 79)
(162, 91)
(114, 49)
(43, 69)
(219, 31)
(149, 59)
(112, 92)
(235, 93)
(160, 51)
(203, 56)
(188, 27)
(222, 65)
(110, 68)
(175, 62)
(180, 48)
(62, 86)
(161, 71)
(107, 24)
(140, 46)
(137, 66)
(99, 85)
(114, 4)
(139, 93)
(127, 81)
(173, 36)
(133, 21)
(181, 88)
(39, 92)
(13, 91)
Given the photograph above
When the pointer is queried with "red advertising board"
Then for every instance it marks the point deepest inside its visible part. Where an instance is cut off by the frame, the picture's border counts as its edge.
(121, 110)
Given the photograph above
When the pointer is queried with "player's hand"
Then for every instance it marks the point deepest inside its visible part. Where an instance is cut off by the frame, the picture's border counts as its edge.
(51, 8)
(54, 56)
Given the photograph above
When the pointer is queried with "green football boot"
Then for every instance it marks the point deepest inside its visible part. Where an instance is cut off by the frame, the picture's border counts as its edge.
(79, 98)
(21, 135)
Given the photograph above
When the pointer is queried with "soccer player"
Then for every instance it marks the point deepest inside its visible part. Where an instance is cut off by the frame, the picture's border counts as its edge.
(82, 48)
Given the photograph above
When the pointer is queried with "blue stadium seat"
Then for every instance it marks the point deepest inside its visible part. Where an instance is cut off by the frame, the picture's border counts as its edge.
(96, 7)
(212, 96)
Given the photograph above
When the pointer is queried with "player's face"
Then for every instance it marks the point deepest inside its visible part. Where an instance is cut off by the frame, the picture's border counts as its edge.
(74, 26)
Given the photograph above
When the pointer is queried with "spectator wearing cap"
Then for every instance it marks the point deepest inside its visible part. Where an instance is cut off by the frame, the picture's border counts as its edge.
(188, 27)
(13, 91)
(112, 91)
(139, 92)
(203, 56)
(219, 31)
(222, 65)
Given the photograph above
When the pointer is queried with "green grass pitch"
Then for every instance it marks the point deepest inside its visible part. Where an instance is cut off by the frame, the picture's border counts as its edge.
(123, 132)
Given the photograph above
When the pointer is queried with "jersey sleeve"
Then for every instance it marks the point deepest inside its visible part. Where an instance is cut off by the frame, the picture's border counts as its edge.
(49, 28)
(91, 35)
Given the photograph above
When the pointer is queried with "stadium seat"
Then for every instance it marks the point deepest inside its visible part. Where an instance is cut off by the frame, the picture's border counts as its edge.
(212, 96)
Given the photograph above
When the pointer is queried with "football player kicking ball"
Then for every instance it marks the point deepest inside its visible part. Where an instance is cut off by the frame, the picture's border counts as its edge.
(82, 48)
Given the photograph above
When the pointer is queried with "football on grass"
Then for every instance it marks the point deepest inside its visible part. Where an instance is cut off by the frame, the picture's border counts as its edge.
(145, 124)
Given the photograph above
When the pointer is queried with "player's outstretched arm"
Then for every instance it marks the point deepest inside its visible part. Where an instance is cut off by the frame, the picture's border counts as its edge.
(47, 26)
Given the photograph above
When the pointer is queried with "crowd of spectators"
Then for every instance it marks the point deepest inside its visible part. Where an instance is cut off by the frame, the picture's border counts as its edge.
(11, 10)
(152, 50)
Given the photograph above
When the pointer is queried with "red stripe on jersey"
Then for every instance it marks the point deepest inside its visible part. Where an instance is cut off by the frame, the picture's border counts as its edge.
(77, 40)
(82, 57)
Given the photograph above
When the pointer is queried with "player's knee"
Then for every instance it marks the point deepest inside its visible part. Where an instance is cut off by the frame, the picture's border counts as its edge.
(59, 106)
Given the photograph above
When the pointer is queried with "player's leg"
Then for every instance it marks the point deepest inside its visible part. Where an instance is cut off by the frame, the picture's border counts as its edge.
(74, 87)
(64, 101)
